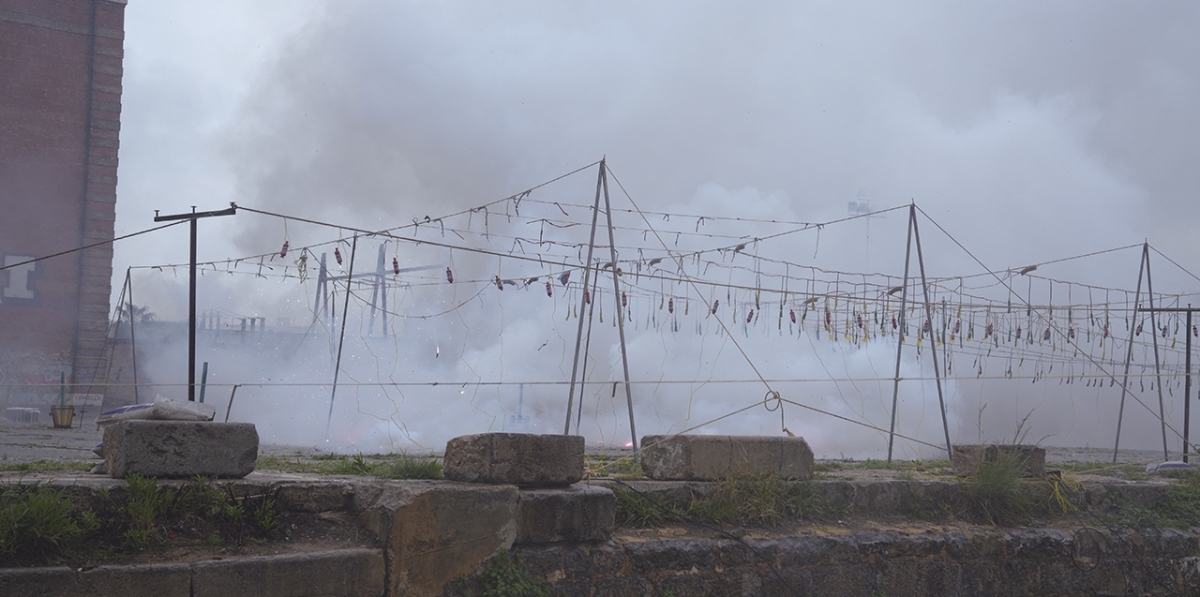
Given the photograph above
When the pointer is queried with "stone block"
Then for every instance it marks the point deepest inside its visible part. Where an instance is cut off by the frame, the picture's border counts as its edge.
(521, 459)
(338, 573)
(435, 532)
(180, 449)
(576, 513)
(966, 458)
(711, 457)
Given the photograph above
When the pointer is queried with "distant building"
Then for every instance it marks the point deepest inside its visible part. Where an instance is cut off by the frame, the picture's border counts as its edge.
(60, 121)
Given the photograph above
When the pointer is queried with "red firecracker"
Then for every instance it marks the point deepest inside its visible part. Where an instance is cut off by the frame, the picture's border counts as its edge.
(337, 254)
(1046, 336)
(587, 297)
(894, 325)
(957, 326)
(792, 314)
(499, 283)
(1138, 331)
(1018, 332)
(395, 266)
(671, 305)
(284, 250)
(449, 276)
(624, 300)
(828, 318)
(549, 289)
(750, 316)
(1070, 332)
(860, 320)
(716, 304)
(989, 331)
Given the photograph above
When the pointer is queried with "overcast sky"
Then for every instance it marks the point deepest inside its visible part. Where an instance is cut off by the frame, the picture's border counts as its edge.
(1078, 120)
(1030, 130)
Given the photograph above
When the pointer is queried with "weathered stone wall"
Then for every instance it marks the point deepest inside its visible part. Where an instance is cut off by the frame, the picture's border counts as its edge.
(994, 562)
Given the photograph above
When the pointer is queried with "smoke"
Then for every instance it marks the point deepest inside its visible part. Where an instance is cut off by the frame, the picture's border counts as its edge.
(1027, 132)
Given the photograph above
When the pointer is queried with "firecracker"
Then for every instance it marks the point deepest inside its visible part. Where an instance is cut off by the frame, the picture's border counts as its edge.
(1138, 331)
(624, 299)
(1018, 332)
(549, 289)
(750, 316)
(671, 305)
(395, 266)
(284, 250)
(449, 276)
(499, 283)
(1046, 335)
(792, 315)
(587, 297)
(337, 254)
(716, 303)
(1071, 333)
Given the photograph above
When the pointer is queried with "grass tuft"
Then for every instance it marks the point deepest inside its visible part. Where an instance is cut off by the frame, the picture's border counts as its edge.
(995, 494)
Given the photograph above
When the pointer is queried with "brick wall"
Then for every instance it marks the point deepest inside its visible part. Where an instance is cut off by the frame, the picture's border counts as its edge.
(60, 104)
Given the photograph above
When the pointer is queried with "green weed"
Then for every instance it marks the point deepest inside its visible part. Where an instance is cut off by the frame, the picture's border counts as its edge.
(36, 521)
(410, 467)
(145, 503)
(996, 494)
(636, 510)
(503, 577)
(764, 501)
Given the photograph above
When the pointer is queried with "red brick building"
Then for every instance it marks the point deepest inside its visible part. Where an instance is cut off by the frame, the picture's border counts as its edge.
(60, 106)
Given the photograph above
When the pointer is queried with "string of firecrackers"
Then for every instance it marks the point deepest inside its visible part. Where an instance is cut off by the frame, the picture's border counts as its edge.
(854, 319)
(857, 318)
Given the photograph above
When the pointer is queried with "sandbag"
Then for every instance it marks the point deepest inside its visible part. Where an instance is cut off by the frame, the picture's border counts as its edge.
(163, 409)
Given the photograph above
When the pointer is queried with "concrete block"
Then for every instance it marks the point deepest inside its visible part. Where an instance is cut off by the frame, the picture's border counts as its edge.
(142, 580)
(711, 457)
(338, 573)
(180, 449)
(576, 513)
(966, 458)
(435, 532)
(22, 415)
(518, 458)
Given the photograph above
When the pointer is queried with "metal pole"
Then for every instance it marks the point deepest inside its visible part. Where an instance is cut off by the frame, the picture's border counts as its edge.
(587, 344)
(1162, 416)
(337, 367)
(900, 329)
(192, 217)
(132, 338)
(1137, 294)
(937, 375)
(192, 316)
(583, 302)
(612, 246)
(320, 291)
(1187, 384)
